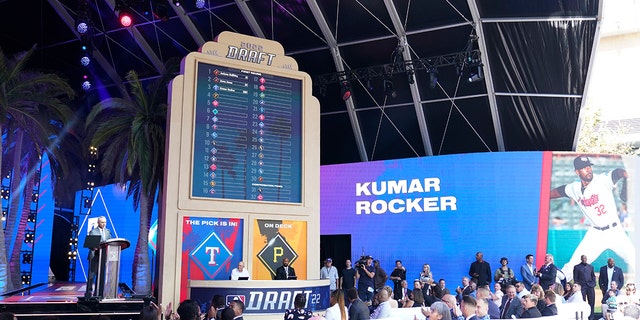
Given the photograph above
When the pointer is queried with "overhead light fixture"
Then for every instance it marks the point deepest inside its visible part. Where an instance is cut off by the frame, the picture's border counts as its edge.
(125, 18)
(476, 75)
(433, 78)
(200, 4)
(85, 61)
(82, 27)
(176, 3)
(388, 88)
(345, 90)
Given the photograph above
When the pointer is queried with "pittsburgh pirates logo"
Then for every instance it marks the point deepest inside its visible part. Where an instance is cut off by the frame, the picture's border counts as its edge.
(272, 254)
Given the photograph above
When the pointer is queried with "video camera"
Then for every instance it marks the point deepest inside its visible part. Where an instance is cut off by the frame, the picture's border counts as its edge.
(362, 262)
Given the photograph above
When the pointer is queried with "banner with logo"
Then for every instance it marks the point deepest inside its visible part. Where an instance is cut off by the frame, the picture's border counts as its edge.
(211, 248)
(275, 240)
(265, 300)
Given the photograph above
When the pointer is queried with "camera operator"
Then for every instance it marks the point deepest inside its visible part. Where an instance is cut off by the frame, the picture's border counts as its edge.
(365, 275)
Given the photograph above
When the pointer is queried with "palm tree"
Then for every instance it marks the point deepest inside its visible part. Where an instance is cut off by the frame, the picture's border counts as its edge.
(130, 137)
(25, 96)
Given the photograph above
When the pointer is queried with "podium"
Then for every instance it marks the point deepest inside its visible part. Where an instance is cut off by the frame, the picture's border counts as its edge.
(109, 267)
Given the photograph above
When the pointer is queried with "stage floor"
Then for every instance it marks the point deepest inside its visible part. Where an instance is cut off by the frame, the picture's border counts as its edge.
(65, 300)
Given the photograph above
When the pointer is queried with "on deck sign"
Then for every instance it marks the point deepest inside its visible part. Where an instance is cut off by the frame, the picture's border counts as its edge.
(272, 254)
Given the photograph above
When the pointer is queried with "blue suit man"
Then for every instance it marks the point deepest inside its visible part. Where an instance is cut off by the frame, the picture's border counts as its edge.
(94, 253)
(528, 272)
(603, 277)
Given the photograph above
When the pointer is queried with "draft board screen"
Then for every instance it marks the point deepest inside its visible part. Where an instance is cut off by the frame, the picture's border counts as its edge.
(247, 135)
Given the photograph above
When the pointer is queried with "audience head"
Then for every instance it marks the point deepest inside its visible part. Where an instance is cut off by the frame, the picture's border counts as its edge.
(189, 310)
(449, 300)
(383, 295)
(218, 301)
(300, 301)
(614, 285)
(577, 288)
(389, 291)
(511, 291)
(468, 305)
(352, 294)
(237, 306)
(227, 314)
(483, 293)
(632, 311)
(519, 286)
(630, 288)
(483, 307)
(504, 261)
(529, 301)
(549, 297)
(148, 312)
(497, 287)
(440, 311)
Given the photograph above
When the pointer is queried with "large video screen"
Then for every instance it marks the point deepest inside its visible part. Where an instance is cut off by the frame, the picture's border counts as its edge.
(442, 210)
(247, 135)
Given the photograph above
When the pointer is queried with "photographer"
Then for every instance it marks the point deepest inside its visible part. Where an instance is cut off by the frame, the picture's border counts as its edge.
(365, 275)
(504, 275)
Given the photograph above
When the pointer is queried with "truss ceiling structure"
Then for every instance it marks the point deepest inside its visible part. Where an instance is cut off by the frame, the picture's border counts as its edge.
(534, 56)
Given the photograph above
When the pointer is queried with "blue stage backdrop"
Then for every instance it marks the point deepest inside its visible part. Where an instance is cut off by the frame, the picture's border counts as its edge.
(436, 210)
(110, 201)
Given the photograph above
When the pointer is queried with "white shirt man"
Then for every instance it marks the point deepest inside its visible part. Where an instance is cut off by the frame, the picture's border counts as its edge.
(329, 272)
(240, 271)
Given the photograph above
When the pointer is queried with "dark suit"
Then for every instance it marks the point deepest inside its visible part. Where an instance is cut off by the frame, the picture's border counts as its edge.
(94, 259)
(515, 308)
(494, 310)
(603, 280)
(548, 276)
(550, 310)
(584, 276)
(532, 312)
(281, 274)
(358, 310)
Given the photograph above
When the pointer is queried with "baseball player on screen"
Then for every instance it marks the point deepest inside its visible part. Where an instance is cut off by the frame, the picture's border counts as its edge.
(594, 196)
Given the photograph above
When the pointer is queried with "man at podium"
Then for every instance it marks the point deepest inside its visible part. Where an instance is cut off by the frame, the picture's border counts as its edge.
(94, 253)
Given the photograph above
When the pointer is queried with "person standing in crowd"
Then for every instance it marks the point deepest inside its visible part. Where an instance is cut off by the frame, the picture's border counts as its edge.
(528, 272)
(547, 273)
(398, 274)
(480, 270)
(584, 275)
(380, 278)
(358, 310)
(426, 277)
(298, 312)
(240, 271)
(94, 253)
(330, 272)
(504, 275)
(609, 273)
(365, 275)
(238, 308)
(285, 271)
(348, 279)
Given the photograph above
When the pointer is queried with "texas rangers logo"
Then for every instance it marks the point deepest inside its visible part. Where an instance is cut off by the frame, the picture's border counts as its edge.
(210, 255)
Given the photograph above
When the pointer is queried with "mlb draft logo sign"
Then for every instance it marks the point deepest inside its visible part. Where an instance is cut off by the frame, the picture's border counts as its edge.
(210, 255)
(276, 249)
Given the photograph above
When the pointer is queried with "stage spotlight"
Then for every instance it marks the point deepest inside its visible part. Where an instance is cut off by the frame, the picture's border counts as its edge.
(477, 75)
(125, 17)
(388, 88)
(85, 61)
(200, 4)
(176, 3)
(82, 27)
(86, 85)
(345, 90)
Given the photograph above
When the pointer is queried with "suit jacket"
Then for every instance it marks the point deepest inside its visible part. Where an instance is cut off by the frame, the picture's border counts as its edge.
(550, 310)
(282, 275)
(515, 308)
(494, 310)
(96, 232)
(603, 278)
(532, 312)
(527, 277)
(548, 276)
(358, 310)
(584, 275)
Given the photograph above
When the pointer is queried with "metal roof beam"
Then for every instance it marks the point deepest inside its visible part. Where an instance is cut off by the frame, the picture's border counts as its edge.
(488, 79)
(337, 60)
(97, 55)
(250, 18)
(415, 94)
(188, 24)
